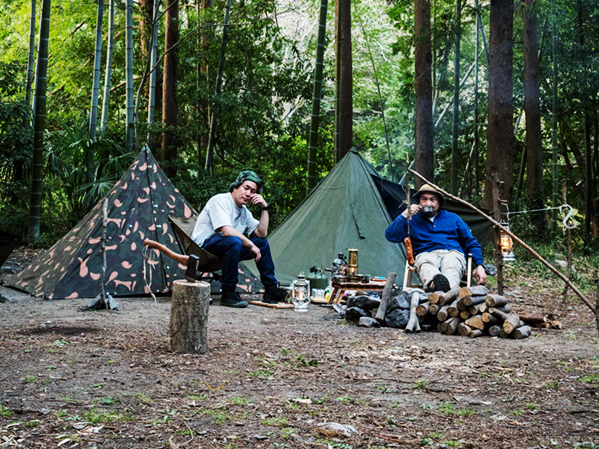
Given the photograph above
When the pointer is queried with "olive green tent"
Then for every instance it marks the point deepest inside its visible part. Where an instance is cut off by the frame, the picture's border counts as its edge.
(350, 208)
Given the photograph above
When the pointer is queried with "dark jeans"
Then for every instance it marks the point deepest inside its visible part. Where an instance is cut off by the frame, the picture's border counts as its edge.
(230, 251)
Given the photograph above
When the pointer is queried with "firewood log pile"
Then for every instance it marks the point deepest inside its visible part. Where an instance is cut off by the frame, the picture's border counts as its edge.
(467, 311)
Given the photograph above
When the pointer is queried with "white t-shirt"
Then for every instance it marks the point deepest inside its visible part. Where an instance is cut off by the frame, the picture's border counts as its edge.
(220, 211)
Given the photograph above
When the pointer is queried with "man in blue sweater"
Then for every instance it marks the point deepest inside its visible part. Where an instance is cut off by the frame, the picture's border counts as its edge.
(440, 239)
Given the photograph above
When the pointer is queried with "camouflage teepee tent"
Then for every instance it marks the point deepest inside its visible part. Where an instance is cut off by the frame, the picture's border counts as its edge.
(138, 208)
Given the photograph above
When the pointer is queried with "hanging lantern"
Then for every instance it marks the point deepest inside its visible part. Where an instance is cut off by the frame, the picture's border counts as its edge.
(300, 293)
(507, 245)
(352, 265)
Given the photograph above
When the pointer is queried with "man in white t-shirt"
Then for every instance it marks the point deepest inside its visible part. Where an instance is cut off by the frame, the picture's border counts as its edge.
(227, 229)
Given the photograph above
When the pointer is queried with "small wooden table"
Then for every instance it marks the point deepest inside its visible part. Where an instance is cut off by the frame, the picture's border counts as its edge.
(340, 287)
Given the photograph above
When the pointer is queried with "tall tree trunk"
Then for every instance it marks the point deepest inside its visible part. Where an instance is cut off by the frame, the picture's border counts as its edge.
(456, 100)
(203, 78)
(532, 108)
(39, 124)
(30, 58)
(554, 142)
(313, 145)
(500, 129)
(129, 123)
(424, 153)
(344, 106)
(219, 80)
(475, 134)
(108, 71)
(154, 71)
(93, 112)
(169, 85)
(146, 9)
(584, 101)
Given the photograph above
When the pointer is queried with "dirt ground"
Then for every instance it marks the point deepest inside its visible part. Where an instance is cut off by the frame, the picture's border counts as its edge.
(283, 379)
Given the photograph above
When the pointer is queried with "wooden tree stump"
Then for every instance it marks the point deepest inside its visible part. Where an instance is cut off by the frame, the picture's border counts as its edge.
(188, 327)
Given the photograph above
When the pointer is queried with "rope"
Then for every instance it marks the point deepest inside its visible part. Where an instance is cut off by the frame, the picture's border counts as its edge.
(146, 258)
(569, 222)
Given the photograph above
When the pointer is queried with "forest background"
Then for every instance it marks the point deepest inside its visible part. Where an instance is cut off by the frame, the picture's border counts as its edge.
(103, 103)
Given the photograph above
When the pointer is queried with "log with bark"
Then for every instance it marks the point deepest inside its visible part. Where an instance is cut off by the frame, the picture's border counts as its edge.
(494, 330)
(475, 322)
(476, 333)
(453, 310)
(188, 326)
(522, 332)
(385, 297)
(474, 290)
(495, 300)
(452, 325)
(464, 329)
(413, 323)
(422, 309)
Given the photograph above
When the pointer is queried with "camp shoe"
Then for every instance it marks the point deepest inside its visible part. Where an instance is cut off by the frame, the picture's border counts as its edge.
(232, 299)
(274, 294)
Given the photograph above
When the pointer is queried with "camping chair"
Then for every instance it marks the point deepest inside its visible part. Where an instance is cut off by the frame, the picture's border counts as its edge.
(411, 270)
(197, 260)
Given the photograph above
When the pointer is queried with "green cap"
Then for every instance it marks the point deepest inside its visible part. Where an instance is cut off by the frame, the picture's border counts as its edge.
(248, 175)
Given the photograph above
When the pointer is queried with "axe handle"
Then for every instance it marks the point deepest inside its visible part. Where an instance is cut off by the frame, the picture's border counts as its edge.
(163, 249)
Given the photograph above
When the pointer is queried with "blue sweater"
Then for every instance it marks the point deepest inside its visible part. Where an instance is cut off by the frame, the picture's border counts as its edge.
(446, 231)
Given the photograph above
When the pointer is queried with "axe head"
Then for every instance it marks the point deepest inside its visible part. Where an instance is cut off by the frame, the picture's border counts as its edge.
(192, 268)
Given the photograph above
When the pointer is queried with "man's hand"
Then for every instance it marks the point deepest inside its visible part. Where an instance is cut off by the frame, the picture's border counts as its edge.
(256, 251)
(259, 200)
(414, 209)
(481, 276)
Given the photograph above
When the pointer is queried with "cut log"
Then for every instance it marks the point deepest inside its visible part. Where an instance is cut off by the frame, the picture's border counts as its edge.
(476, 333)
(464, 314)
(433, 309)
(501, 315)
(385, 297)
(188, 326)
(522, 332)
(476, 322)
(452, 325)
(511, 322)
(453, 310)
(442, 313)
(422, 309)
(460, 304)
(433, 297)
(477, 309)
(489, 319)
(503, 334)
(494, 331)
(493, 300)
(449, 296)
(505, 309)
(474, 290)
(413, 324)
(464, 329)
(474, 300)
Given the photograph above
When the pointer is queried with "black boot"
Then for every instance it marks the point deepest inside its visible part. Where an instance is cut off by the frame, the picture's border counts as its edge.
(230, 298)
(273, 294)
(439, 284)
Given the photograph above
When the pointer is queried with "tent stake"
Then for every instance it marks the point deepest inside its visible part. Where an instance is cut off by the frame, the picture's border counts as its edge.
(514, 237)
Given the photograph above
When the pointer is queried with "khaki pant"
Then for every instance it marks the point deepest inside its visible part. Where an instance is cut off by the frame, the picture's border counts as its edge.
(450, 263)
